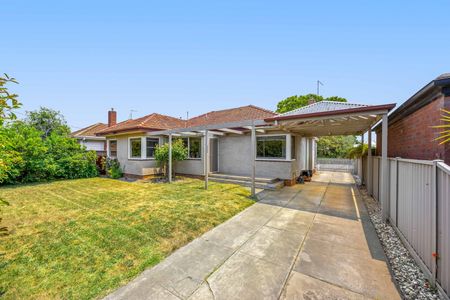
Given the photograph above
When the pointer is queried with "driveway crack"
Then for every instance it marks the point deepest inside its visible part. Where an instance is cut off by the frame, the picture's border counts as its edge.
(303, 242)
(210, 289)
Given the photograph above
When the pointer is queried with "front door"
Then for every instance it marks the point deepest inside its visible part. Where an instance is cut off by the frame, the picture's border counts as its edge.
(214, 155)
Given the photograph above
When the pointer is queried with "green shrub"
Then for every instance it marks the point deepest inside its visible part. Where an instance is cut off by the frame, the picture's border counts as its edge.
(179, 152)
(113, 168)
(27, 157)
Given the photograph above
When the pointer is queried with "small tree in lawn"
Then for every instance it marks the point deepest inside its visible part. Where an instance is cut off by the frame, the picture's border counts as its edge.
(179, 152)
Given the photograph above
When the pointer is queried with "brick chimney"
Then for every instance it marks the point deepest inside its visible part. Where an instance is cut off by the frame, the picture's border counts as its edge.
(112, 117)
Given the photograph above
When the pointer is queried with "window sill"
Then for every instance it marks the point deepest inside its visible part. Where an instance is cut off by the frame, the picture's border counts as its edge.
(275, 159)
(140, 159)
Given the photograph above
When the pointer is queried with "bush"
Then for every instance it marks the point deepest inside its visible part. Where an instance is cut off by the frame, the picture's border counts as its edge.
(113, 168)
(27, 157)
(179, 152)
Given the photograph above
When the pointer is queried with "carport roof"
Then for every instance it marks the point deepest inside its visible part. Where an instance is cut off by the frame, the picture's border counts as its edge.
(331, 118)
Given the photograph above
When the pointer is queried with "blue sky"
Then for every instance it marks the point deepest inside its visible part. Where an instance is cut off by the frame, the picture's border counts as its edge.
(84, 57)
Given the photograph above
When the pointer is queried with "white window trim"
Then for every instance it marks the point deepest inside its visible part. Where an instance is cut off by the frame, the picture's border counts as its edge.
(143, 147)
(108, 150)
(189, 148)
(144, 150)
(288, 149)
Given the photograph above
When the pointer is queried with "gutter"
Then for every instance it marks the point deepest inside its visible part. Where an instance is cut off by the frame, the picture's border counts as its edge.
(415, 102)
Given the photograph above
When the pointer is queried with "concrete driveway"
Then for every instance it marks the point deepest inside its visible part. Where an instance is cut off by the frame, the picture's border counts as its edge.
(311, 241)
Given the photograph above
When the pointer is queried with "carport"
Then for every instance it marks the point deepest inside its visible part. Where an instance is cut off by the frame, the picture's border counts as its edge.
(325, 118)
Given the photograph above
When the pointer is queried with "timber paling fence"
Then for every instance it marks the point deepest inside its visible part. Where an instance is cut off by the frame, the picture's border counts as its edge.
(419, 210)
(337, 164)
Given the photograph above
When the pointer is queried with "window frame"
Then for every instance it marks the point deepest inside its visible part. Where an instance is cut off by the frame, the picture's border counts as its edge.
(146, 147)
(200, 150)
(289, 156)
(108, 148)
(143, 147)
(188, 146)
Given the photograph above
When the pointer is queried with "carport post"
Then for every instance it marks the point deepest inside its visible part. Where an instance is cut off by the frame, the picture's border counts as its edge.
(170, 157)
(253, 158)
(384, 169)
(369, 163)
(362, 162)
(206, 158)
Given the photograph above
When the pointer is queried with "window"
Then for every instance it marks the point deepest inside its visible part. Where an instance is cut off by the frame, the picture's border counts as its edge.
(113, 149)
(193, 144)
(135, 148)
(271, 147)
(195, 147)
(150, 147)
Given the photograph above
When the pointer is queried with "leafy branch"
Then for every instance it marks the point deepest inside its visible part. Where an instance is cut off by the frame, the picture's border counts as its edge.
(8, 101)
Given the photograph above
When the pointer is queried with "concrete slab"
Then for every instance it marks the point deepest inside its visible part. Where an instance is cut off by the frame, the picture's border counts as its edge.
(346, 267)
(231, 234)
(257, 214)
(145, 292)
(302, 287)
(291, 219)
(245, 277)
(274, 245)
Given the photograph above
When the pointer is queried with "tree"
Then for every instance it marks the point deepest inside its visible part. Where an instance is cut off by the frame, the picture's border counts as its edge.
(26, 157)
(359, 151)
(179, 152)
(335, 146)
(330, 146)
(48, 121)
(8, 101)
(297, 101)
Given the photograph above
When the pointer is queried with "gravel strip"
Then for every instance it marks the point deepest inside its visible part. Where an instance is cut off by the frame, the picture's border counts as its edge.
(410, 278)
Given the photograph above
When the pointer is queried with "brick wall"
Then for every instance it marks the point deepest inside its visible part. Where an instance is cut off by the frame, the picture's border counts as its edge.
(412, 137)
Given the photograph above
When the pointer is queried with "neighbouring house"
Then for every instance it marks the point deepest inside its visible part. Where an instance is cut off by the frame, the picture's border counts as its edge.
(284, 145)
(410, 131)
(88, 138)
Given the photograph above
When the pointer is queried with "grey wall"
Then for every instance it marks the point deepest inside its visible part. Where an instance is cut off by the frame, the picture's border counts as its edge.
(134, 166)
(190, 166)
(235, 158)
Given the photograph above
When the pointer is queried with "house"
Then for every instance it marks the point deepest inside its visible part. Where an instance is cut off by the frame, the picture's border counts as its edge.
(88, 138)
(283, 145)
(410, 131)
(130, 143)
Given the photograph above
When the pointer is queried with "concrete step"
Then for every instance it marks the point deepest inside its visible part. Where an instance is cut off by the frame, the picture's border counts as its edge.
(258, 184)
(241, 178)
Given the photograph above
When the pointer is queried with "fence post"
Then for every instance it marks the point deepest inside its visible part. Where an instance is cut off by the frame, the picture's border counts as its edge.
(434, 221)
(396, 191)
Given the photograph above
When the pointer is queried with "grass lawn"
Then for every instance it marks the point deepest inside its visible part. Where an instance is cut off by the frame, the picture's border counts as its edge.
(81, 239)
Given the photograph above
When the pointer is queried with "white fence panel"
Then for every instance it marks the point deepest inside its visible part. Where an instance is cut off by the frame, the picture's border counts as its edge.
(419, 197)
(415, 207)
(393, 190)
(337, 164)
(376, 177)
(443, 211)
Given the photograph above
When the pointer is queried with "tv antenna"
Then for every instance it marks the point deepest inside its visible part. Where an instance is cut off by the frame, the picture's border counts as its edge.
(319, 83)
(131, 113)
